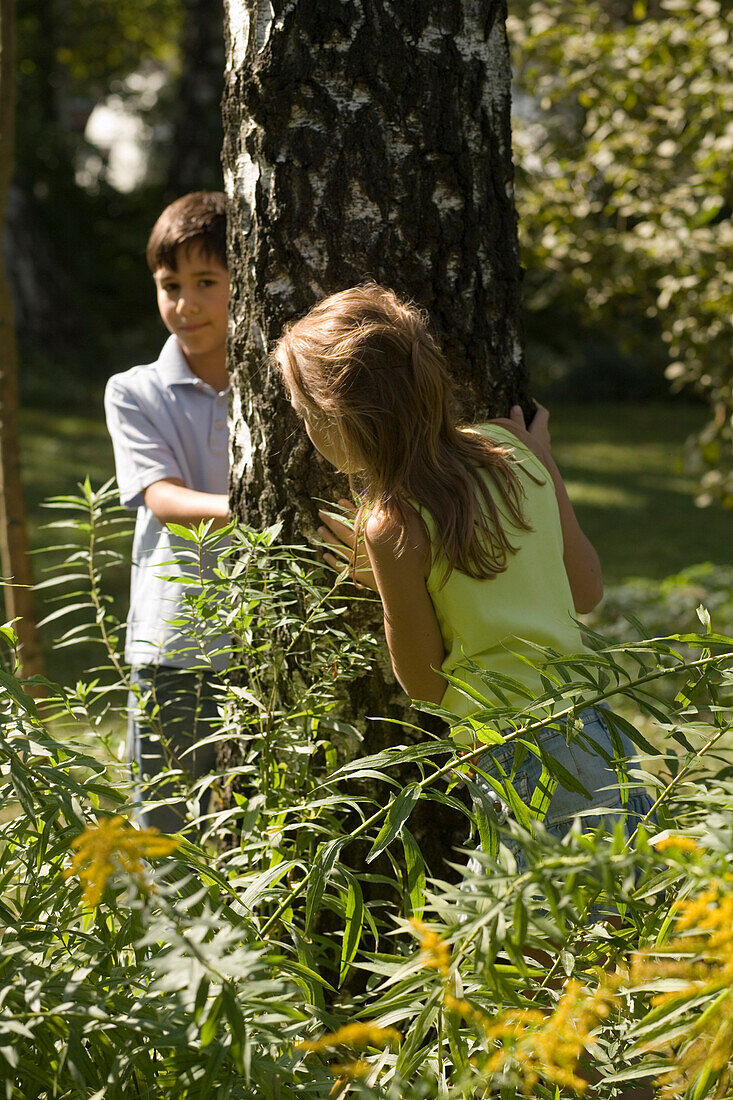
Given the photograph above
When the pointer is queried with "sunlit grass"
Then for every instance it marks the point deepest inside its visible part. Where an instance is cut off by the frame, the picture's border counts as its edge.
(624, 468)
(58, 452)
(622, 465)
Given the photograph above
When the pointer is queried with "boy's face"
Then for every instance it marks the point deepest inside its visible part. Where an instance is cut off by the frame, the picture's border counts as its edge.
(193, 302)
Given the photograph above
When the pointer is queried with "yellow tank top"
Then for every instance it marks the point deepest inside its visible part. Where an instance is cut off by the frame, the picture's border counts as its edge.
(494, 621)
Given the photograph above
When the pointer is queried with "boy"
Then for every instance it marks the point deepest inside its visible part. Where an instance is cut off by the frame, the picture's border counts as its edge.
(168, 423)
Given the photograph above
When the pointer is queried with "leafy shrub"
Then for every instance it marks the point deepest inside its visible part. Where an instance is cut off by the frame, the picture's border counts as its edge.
(302, 947)
(622, 143)
(655, 604)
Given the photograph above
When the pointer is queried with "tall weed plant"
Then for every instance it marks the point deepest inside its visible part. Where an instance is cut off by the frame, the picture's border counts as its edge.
(294, 942)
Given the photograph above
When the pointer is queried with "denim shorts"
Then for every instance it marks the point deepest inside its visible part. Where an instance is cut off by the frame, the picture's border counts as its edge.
(578, 756)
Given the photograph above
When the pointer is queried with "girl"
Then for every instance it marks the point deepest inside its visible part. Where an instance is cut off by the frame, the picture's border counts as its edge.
(474, 546)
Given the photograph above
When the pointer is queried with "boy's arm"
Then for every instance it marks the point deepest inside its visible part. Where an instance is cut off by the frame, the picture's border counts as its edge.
(171, 501)
(147, 469)
(582, 563)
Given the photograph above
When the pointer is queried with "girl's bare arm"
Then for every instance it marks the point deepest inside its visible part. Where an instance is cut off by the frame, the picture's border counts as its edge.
(582, 563)
(413, 634)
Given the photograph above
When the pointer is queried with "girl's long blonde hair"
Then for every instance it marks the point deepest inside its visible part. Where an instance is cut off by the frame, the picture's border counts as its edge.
(367, 361)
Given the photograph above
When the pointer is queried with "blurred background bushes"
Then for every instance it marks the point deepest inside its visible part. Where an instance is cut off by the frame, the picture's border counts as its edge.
(118, 114)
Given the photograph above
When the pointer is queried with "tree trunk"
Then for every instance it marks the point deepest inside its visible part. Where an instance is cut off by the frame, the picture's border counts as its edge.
(18, 595)
(365, 138)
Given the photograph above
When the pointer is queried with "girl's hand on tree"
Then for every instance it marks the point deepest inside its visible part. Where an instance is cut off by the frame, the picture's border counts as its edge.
(537, 436)
(339, 534)
(539, 429)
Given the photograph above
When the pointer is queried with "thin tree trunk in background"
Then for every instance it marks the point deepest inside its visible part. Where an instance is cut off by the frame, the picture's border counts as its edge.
(14, 560)
(367, 138)
(195, 162)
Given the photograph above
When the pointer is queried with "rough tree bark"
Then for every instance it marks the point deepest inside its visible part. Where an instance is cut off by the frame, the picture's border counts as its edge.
(365, 138)
(14, 561)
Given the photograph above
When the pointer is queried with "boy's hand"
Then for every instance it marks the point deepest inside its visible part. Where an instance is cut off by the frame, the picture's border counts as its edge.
(341, 537)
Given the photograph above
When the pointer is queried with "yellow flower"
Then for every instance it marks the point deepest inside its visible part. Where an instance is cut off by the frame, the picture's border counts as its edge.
(703, 967)
(532, 1044)
(113, 844)
(680, 844)
(350, 1070)
(354, 1035)
(436, 953)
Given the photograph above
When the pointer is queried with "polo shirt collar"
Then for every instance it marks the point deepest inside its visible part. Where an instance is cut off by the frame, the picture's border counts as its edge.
(175, 371)
(172, 365)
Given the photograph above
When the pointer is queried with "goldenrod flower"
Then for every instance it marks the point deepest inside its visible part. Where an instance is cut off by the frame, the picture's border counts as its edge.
(533, 1044)
(354, 1035)
(351, 1070)
(680, 844)
(435, 951)
(113, 844)
(703, 966)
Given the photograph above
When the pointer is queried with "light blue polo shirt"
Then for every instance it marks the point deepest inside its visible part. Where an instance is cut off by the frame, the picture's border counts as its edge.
(165, 422)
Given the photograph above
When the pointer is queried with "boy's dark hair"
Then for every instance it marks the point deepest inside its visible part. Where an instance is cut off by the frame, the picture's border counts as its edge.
(198, 218)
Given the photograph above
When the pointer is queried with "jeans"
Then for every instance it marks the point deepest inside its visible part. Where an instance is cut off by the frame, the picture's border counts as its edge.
(582, 761)
(173, 712)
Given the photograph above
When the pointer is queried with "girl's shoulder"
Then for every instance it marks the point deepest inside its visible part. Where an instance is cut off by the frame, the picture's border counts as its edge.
(494, 432)
(405, 536)
(384, 528)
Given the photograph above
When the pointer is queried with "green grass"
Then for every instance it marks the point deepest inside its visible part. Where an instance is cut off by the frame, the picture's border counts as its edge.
(624, 472)
(58, 451)
(622, 465)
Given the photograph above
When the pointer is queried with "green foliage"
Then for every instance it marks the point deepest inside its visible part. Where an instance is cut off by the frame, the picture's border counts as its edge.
(674, 599)
(101, 40)
(274, 958)
(94, 42)
(624, 187)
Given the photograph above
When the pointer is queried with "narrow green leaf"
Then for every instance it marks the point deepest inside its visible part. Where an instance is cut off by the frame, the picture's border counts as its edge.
(209, 1029)
(398, 812)
(506, 790)
(457, 1043)
(323, 864)
(487, 822)
(542, 795)
(183, 532)
(264, 880)
(415, 867)
(353, 926)
(14, 689)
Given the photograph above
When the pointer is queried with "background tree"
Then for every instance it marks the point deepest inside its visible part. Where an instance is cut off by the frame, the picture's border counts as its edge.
(365, 140)
(80, 281)
(14, 561)
(195, 149)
